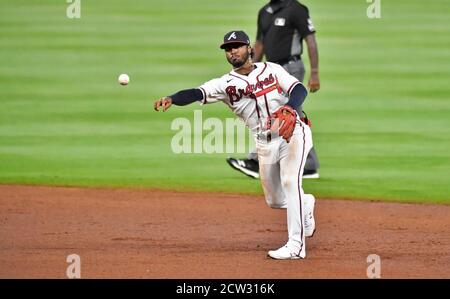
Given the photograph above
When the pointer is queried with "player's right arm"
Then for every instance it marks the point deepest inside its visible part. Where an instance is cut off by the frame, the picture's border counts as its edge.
(181, 98)
(209, 92)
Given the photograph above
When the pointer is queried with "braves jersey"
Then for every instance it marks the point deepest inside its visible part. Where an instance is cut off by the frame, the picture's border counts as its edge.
(253, 97)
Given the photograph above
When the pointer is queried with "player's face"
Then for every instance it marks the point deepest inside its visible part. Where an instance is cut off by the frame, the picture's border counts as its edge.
(237, 54)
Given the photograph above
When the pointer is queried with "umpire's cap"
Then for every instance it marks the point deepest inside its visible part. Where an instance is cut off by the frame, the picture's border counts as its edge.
(233, 37)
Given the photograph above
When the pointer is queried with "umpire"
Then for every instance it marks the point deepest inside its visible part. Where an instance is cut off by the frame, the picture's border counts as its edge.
(282, 27)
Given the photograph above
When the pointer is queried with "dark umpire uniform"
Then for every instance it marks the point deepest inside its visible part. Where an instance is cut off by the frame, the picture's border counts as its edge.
(282, 27)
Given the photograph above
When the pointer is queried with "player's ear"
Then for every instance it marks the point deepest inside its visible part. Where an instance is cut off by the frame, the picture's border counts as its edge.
(251, 52)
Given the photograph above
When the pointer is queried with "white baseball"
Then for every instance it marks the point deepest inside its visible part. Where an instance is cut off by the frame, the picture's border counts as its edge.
(124, 79)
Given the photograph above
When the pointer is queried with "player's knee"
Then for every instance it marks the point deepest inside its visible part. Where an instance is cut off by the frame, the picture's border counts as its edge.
(288, 182)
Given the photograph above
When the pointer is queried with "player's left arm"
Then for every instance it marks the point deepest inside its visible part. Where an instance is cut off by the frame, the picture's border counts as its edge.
(284, 119)
(294, 89)
(287, 82)
(297, 96)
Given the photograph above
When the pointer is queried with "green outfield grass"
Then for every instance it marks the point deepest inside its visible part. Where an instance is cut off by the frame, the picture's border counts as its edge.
(381, 121)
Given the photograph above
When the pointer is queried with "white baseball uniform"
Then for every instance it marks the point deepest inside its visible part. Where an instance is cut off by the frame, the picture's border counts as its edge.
(253, 98)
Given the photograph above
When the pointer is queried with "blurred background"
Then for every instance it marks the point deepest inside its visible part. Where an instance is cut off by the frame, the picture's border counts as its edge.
(381, 120)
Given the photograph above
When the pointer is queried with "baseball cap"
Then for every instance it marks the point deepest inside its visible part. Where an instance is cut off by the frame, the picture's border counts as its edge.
(235, 37)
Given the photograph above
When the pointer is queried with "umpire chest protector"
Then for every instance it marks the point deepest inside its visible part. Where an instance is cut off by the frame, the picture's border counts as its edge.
(282, 26)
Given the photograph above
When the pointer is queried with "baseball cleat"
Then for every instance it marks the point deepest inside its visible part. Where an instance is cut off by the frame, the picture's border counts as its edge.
(310, 222)
(284, 253)
(246, 166)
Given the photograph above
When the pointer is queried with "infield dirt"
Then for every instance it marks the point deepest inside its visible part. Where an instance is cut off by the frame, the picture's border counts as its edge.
(141, 233)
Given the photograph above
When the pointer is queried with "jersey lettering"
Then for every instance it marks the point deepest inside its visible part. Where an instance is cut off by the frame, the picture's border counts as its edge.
(252, 97)
(235, 94)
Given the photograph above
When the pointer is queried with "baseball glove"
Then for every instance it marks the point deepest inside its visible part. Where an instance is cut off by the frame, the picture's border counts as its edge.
(283, 120)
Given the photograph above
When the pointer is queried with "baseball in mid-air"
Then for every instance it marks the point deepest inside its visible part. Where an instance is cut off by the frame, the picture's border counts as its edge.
(124, 79)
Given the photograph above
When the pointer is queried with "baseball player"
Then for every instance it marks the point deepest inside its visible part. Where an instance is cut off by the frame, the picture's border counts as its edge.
(264, 95)
(282, 27)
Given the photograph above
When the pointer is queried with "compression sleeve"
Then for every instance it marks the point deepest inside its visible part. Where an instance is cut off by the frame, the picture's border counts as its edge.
(297, 96)
(187, 96)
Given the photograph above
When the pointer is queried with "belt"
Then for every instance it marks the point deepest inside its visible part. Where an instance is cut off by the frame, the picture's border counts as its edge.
(287, 60)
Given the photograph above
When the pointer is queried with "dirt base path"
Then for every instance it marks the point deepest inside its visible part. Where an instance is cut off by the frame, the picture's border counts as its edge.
(130, 233)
